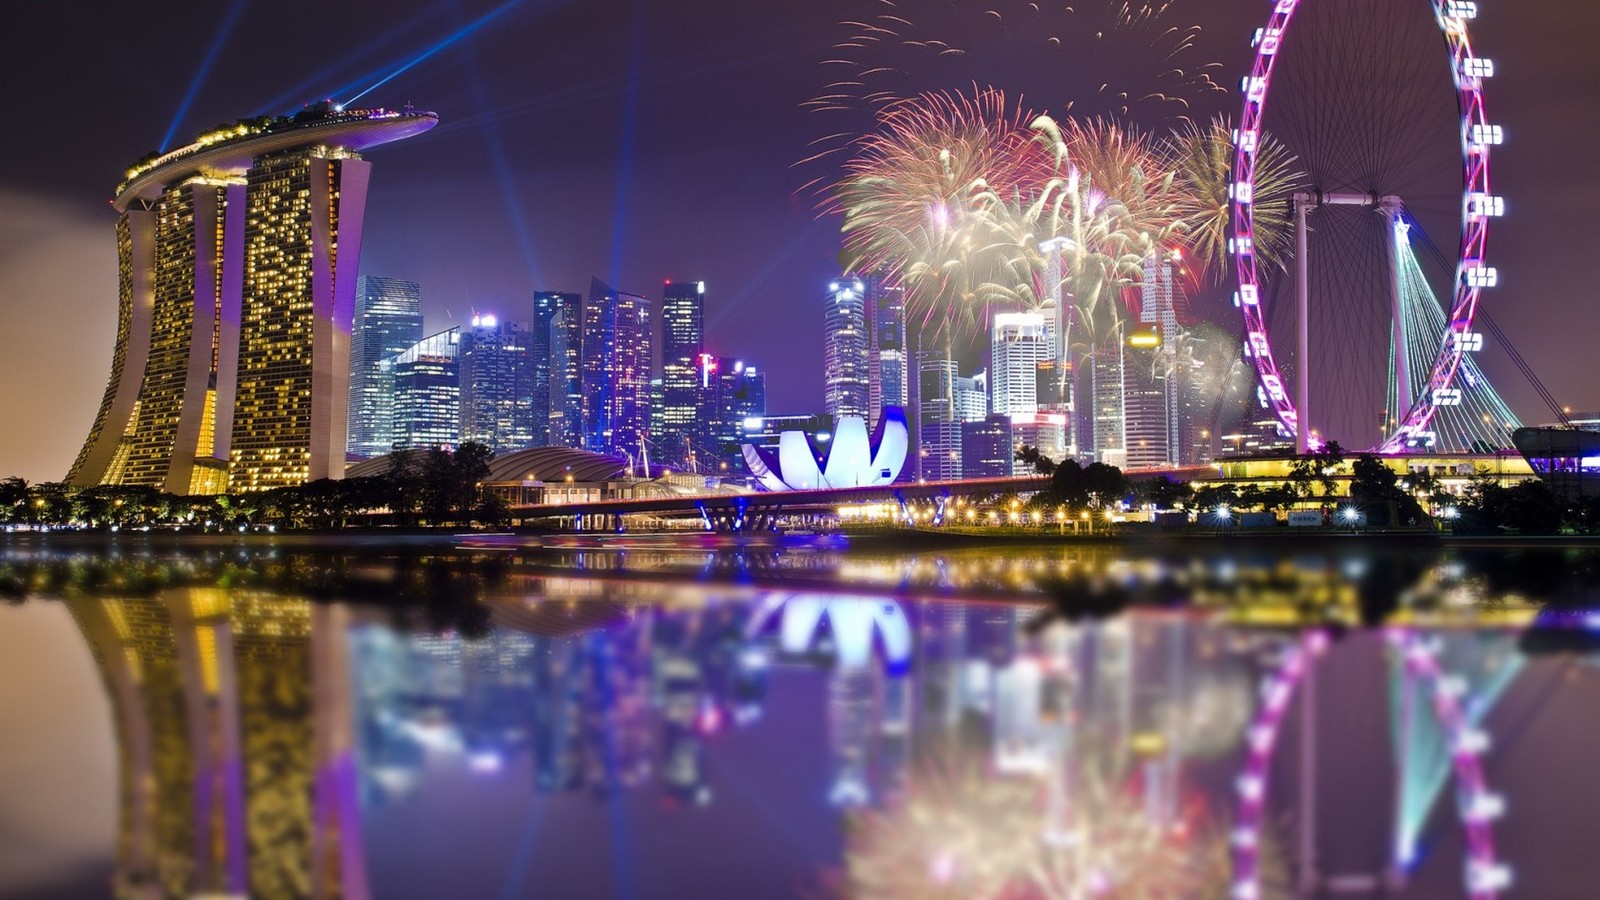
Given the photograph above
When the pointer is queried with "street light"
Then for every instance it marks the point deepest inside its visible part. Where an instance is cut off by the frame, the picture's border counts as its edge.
(1351, 516)
(1222, 514)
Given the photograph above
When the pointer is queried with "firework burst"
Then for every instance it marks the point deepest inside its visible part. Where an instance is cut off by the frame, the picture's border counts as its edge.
(1134, 61)
(959, 831)
(971, 202)
(918, 199)
(1202, 156)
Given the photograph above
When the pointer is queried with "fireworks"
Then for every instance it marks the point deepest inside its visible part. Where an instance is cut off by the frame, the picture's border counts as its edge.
(1202, 156)
(1094, 50)
(959, 831)
(919, 196)
(965, 199)
(960, 197)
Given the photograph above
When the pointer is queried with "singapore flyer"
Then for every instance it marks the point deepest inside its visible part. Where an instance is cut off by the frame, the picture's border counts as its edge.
(1436, 397)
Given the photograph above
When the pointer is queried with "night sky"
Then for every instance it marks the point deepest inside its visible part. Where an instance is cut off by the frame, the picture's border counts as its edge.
(641, 141)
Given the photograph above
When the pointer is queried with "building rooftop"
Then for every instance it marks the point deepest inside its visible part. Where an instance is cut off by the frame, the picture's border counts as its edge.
(228, 150)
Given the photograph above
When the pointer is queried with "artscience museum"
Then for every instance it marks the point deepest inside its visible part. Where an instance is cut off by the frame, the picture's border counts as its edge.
(850, 460)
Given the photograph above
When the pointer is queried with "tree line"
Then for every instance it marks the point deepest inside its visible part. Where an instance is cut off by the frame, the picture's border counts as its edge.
(1485, 507)
(425, 488)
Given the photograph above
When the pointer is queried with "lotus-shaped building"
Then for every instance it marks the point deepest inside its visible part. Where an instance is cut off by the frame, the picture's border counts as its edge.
(850, 460)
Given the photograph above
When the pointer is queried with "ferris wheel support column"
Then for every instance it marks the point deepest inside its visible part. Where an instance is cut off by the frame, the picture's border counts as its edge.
(1310, 879)
(1391, 208)
(1302, 389)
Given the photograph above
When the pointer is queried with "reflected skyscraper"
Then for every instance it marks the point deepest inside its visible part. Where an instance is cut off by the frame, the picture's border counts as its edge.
(237, 262)
(236, 777)
(388, 321)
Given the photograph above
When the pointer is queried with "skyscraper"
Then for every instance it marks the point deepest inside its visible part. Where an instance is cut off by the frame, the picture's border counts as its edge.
(237, 278)
(388, 320)
(685, 393)
(844, 350)
(1153, 410)
(427, 393)
(740, 394)
(496, 364)
(972, 397)
(1018, 343)
(938, 419)
(1105, 415)
(889, 383)
(617, 365)
(1147, 401)
(567, 402)
(986, 449)
(546, 305)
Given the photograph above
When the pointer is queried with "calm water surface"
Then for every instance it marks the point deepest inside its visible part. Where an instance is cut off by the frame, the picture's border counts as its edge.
(373, 718)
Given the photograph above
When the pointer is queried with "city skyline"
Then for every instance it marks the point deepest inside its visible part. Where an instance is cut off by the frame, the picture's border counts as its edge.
(759, 237)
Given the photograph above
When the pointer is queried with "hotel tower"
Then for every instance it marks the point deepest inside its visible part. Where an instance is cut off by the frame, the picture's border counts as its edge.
(237, 261)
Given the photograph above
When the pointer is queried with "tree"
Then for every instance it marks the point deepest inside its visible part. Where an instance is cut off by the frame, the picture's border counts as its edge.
(1106, 484)
(1164, 493)
(13, 496)
(451, 482)
(1068, 487)
(1424, 485)
(1094, 486)
(1212, 496)
(1372, 481)
(1528, 507)
(1328, 459)
(1041, 464)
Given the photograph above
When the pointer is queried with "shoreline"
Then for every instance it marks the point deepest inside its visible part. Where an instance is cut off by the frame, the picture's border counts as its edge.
(847, 539)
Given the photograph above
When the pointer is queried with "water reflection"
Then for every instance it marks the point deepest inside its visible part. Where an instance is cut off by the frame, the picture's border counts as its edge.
(1128, 727)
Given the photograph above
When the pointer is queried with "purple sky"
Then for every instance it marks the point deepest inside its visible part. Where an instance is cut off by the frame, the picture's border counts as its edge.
(532, 182)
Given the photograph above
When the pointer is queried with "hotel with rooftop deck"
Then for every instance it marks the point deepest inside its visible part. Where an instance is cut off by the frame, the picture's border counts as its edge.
(237, 261)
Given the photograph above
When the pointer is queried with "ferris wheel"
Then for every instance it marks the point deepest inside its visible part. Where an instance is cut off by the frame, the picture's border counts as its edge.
(1417, 401)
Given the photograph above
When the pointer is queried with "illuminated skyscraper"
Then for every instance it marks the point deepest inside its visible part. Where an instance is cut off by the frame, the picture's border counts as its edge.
(617, 364)
(845, 367)
(546, 408)
(685, 387)
(496, 365)
(1104, 417)
(972, 397)
(566, 374)
(938, 420)
(388, 320)
(740, 395)
(427, 393)
(1147, 399)
(1018, 343)
(986, 450)
(237, 259)
(1153, 405)
(886, 307)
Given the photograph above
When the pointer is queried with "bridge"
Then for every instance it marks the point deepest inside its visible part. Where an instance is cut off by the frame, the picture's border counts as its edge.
(757, 511)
